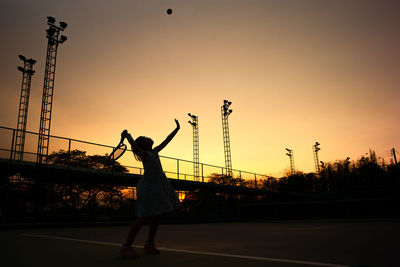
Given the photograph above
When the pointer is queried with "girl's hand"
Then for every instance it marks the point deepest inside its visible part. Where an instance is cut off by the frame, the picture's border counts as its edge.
(177, 124)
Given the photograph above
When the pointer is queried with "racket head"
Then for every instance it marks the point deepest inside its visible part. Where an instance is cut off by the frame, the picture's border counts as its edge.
(118, 151)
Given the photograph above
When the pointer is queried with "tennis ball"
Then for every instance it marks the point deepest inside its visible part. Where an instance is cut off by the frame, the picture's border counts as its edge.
(169, 11)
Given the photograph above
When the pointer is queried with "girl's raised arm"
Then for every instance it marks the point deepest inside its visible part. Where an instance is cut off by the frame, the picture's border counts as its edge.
(169, 137)
(135, 148)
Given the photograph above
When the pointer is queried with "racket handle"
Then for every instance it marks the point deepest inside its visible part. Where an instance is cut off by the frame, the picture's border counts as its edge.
(123, 134)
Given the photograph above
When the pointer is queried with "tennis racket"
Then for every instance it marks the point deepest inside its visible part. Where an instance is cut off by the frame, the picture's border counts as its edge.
(120, 149)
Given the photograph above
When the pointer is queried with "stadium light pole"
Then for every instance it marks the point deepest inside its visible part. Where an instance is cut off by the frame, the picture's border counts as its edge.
(291, 157)
(194, 122)
(316, 160)
(225, 112)
(27, 72)
(54, 40)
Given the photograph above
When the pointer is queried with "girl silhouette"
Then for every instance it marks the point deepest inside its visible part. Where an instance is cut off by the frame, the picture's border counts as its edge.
(155, 195)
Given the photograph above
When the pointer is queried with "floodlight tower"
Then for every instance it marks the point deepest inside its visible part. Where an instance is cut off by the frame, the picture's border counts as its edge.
(54, 39)
(27, 72)
(225, 112)
(316, 161)
(195, 124)
(291, 157)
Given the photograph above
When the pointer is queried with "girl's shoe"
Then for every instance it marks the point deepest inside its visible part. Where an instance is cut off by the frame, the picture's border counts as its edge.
(129, 253)
(150, 249)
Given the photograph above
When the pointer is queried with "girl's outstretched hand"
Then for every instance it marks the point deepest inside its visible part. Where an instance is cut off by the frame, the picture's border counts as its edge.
(177, 124)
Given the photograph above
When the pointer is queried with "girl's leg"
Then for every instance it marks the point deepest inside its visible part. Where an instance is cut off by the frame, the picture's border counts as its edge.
(155, 222)
(133, 231)
(149, 247)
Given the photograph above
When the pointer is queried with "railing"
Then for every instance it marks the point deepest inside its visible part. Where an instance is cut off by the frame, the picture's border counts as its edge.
(174, 168)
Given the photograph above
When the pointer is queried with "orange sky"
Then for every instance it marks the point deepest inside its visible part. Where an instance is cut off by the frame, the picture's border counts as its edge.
(296, 71)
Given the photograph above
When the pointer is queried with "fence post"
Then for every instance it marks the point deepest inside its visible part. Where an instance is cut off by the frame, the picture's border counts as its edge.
(69, 153)
(202, 173)
(12, 145)
(255, 180)
(177, 168)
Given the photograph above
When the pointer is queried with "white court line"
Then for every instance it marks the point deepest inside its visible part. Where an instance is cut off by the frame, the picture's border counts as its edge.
(196, 252)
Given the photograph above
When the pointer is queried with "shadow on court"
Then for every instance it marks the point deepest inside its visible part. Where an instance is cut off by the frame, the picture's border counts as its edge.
(302, 243)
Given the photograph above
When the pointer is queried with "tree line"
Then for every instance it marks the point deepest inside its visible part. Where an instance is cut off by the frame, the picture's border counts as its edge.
(28, 201)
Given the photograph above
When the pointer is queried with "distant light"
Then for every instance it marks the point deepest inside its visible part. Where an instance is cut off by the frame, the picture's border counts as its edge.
(21, 69)
(30, 72)
(190, 115)
(229, 103)
(317, 144)
(288, 154)
(289, 150)
(51, 20)
(22, 57)
(230, 111)
(226, 101)
(63, 25)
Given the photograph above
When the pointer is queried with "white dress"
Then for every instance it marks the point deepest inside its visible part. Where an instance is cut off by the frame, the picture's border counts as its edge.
(155, 194)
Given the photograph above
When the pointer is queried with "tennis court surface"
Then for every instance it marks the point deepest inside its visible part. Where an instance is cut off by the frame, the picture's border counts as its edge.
(287, 243)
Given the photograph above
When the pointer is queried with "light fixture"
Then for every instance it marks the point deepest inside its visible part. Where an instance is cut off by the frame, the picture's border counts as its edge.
(63, 39)
(22, 57)
(63, 25)
(51, 20)
(51, 31)
(31, 61)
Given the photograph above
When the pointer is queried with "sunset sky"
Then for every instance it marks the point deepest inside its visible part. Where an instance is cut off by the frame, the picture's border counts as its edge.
(296, 72)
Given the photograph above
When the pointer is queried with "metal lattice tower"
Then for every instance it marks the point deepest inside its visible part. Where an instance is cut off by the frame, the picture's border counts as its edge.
(291, 157)
(54, 39)
(225, 112)
(195, 124)
(316, 160)
(27, 72)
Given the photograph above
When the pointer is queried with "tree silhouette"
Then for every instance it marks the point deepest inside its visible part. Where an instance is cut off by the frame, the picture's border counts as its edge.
(78, 158)
(74, 197)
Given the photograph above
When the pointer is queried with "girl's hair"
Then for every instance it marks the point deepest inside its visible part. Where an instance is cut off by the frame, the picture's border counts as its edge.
(140, 143)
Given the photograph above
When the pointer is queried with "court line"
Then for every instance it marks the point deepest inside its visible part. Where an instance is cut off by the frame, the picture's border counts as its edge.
(196, 252)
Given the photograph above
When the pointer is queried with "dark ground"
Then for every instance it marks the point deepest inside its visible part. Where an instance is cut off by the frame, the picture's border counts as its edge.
(334, 242)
